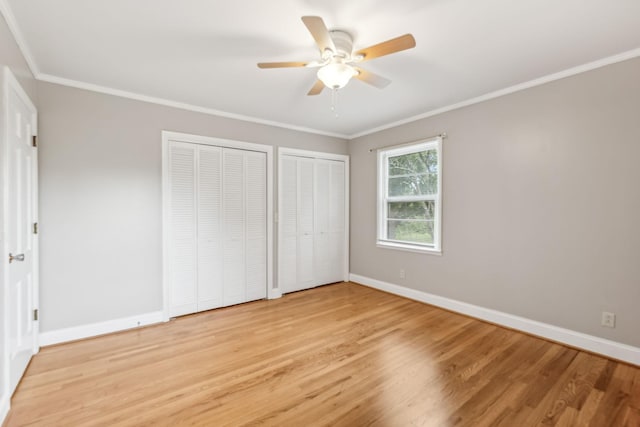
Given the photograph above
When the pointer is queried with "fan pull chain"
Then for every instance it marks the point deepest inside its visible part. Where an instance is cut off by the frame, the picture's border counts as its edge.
(334, 101)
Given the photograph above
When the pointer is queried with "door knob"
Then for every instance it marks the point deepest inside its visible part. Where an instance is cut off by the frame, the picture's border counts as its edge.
(18, 257)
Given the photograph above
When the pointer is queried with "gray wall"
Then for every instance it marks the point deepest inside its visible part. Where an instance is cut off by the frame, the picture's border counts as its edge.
(100, 198)
(11, 57)
(541, 204)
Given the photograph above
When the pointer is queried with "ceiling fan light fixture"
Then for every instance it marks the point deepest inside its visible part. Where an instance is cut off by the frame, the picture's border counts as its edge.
(338, 61)
(336, 75)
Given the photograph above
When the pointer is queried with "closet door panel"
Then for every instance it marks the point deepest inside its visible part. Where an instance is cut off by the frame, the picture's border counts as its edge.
(306, 224)
(336, 229)
(210, 248)
(183, 249)
(322, 196)
(288, 224)
(337, 194)
(322, 242)
(256, 225)
(234, 226)
(256, 273)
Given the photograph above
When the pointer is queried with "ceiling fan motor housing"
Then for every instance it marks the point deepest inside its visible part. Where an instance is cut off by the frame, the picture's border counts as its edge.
(343, 43)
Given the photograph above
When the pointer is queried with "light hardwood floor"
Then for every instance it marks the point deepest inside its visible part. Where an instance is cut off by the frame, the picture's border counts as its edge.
(339, 355)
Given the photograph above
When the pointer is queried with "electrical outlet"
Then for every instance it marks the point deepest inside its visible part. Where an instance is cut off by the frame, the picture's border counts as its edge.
(402, 273)
(608, 319)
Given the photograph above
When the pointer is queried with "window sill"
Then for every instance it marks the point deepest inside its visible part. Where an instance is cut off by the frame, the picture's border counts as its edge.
(408, 248)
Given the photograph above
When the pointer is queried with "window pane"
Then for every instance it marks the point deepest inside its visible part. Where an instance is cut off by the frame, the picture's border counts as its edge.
(413, 185)
(414, 163)
(410, 231)
(411, 210)
(408, 185)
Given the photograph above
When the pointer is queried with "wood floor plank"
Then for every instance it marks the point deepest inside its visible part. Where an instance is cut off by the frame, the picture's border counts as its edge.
(339, 355)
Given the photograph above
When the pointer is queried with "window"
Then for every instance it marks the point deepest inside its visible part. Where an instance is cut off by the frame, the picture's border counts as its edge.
(409, 196)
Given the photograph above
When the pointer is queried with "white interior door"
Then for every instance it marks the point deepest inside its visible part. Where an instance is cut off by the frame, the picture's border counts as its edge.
(22, 246)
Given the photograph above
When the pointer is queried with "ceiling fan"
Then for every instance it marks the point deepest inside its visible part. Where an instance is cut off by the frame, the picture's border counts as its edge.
(336, 65)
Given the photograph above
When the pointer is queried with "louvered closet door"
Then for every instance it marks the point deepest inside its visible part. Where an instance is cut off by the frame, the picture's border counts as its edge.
(312, 222)
(322, 241)
(210, 248)
(306, 277)
(183, 243)
(218, 227)
(245, 224)
(288, 272)
(336, 224)
(256, 225)
(234, 225)
(330, 224)
(297, 224)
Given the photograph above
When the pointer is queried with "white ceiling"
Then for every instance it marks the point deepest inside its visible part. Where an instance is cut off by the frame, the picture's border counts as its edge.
(204, 53)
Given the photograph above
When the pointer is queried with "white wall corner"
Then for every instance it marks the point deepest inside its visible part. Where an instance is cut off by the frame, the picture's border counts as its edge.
(608, 348)
(94, 329)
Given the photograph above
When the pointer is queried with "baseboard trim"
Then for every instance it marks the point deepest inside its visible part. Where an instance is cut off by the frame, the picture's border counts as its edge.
(612, 349)
(4, 409)
(100, 328)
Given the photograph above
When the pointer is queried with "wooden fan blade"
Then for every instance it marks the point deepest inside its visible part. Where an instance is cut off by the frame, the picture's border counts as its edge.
(281, 64)
(320, 33)
(385, 48)
(317, 88)
(371, 78)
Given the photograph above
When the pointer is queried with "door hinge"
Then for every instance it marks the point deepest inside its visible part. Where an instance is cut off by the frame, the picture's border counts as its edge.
(35, 315)
(34, 140)
(35, 228)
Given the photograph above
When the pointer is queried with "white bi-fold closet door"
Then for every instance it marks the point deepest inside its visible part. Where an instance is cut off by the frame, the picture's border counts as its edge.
(313, 227)
(216, 226)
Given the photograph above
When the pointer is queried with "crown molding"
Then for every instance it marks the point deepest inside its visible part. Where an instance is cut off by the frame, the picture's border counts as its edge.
(624, 56)
(181, 105)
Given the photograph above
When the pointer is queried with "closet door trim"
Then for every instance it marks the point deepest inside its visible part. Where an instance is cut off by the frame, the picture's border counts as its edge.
(167, 138)
(314, 155)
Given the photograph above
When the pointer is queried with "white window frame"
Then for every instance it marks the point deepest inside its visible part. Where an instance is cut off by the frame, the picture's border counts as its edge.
(383, 198)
